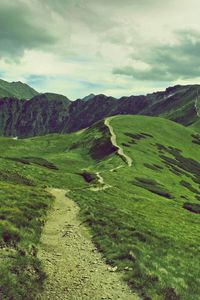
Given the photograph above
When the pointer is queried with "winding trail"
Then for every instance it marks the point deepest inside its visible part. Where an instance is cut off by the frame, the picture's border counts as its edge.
(100, 178)
(117, 168)
(101, 184)
(73, 265)
(120, 151)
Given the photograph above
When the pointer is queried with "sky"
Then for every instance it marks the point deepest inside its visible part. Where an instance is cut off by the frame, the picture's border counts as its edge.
(114, 47)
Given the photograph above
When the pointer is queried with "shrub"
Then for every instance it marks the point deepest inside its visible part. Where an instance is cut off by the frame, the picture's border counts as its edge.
(153, 167)
(193, 207)
(88, 177)
(9, 234)
(34, 160)
(189, 187)
(152, 186)
(196, 139)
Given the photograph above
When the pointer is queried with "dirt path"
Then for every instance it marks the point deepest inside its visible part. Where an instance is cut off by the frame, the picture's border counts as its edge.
(101, 184)
(100, 178)
(114, 169)
(120, 151)
(74, 267)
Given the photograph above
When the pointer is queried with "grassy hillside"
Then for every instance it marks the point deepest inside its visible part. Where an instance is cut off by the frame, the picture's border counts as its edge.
(144, 223)
(24, 204)
(16, 89)
(144, 218)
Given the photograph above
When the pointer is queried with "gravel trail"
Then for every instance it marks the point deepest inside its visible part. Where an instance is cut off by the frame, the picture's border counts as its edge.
(120, 151)
(73, 265)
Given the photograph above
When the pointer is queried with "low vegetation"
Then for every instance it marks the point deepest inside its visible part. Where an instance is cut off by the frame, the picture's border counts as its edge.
(145, 223)
(196, 138)
(22, 215)
(140, 224)
(34, 160)
(193, 207)
(153, 186)
(88, 177)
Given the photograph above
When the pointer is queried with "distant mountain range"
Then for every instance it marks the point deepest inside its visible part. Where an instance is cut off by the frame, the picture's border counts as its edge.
(52, 113)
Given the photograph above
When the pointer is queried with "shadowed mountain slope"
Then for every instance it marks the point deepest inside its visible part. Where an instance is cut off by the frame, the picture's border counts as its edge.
(44, 113)
(51, 113)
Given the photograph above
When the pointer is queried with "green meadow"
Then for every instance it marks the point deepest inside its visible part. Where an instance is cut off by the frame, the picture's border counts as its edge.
(144, 219)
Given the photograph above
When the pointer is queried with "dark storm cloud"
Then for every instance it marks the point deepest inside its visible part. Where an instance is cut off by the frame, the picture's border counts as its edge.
(82, 12)
(74, 45)
(28, 24)
(98, 15)
(20, 31)
(59, 5)
(169, 62)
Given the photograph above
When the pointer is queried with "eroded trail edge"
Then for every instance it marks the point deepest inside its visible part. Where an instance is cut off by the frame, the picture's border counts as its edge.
(120, 151)
(74, 268)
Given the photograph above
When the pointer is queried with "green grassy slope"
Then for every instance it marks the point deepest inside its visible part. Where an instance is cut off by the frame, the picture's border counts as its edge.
(16, 89)
(140, 223)
(4, 92)
(136, 215)
(24, 173)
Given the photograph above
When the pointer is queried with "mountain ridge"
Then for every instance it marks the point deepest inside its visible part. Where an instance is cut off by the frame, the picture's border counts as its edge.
(52, 113)
(16, 89)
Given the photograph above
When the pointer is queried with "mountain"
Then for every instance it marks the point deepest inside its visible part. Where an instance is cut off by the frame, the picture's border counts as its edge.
(43, 114)
(52, 97)
(51, 113)
(16, 89)
(90, 96)
(136, 180)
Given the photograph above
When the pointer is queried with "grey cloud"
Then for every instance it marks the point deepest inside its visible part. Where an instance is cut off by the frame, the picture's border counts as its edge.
(61, 4)
(169, 62)
(99, 16)
(19, 30)
(82, 13)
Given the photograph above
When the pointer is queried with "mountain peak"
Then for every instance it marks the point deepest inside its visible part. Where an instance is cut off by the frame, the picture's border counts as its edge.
(51, 97)
(16, 89)
(90, 96)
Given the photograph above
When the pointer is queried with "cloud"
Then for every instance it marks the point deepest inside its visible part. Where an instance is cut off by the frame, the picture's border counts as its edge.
(20, 31)
(168, 62)
(115, 47)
